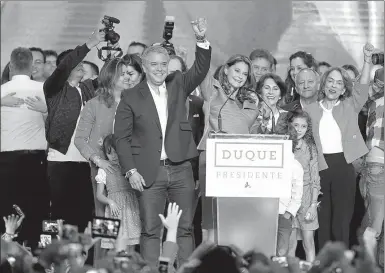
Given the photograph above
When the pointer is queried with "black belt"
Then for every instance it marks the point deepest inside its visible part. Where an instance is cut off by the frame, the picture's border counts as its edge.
(168, 162)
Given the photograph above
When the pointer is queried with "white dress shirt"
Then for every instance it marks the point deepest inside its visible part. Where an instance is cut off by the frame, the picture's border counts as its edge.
(73, 154)
(22, 128)
(160, 100)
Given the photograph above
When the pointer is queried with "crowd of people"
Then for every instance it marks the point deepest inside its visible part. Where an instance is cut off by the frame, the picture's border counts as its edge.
(128, 142)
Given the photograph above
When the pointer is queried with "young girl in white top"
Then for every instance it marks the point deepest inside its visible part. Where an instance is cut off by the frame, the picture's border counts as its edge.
(121, 200)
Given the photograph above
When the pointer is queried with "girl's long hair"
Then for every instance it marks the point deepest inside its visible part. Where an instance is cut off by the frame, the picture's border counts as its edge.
(308, 137)
(250, 84)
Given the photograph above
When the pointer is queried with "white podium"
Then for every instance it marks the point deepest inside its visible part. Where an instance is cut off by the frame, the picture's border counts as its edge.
(246, 174)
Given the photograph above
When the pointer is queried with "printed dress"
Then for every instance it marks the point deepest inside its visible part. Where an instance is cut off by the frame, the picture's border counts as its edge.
(120, 191)
(311, 180)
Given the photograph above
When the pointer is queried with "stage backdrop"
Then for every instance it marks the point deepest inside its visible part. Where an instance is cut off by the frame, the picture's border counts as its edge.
(333, 31)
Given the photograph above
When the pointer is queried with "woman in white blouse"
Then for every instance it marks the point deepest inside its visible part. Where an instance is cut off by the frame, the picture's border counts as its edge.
(339, 142)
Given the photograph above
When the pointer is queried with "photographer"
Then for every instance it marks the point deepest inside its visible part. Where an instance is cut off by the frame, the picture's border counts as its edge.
(68, 171)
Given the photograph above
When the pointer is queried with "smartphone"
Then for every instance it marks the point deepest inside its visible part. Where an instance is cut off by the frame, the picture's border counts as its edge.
(121, 261)
(18, 210)
(282, 261)
(163, 265)
(45, 240)
(50, 226)
(105, 227)
(305, 266)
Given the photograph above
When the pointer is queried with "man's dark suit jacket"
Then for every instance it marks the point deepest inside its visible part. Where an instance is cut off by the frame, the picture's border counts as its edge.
(197, 122)
(137, 127)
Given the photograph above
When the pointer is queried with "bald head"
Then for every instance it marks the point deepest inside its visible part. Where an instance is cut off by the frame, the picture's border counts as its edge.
(306, 83)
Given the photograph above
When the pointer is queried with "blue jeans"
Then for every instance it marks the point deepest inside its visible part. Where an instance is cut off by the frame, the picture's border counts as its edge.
(372, 189)
(175, 183)
(283, 236)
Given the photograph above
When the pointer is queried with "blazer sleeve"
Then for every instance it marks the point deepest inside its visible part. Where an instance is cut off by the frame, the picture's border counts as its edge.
(83, 132)
(54, 84)
(123, 127)
(198, 71)
(360, 96)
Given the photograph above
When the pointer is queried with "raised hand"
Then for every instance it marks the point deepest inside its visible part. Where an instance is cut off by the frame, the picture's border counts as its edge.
(96, 37)
(12, 223)
(368, 51)
(199, 26)
(173, 216)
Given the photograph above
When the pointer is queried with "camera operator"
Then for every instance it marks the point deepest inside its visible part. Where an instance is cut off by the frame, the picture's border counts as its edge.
(68, 171)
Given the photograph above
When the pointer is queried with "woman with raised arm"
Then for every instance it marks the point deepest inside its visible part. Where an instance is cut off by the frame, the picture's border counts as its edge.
(229, 96)
(339, 142)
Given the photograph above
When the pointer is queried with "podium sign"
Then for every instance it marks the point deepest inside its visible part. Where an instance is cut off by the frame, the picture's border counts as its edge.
(244, 167)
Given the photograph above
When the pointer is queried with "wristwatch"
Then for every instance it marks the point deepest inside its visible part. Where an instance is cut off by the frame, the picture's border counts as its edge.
(130, 173)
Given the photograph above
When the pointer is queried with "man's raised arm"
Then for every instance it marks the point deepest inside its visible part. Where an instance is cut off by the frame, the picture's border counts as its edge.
(198, 71)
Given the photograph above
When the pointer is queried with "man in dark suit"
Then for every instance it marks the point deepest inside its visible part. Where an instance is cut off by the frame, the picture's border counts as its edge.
(155, 144)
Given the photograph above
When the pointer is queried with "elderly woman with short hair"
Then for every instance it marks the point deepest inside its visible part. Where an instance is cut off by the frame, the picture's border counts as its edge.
(339, 143)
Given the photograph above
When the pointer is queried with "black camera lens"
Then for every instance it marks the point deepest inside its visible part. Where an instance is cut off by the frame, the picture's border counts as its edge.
(378, 58)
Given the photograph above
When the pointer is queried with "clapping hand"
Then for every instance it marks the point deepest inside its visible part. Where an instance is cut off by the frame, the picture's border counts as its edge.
(199, 26)
(36, 104)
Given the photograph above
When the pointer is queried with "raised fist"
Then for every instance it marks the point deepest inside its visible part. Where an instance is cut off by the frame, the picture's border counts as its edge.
(199, 26)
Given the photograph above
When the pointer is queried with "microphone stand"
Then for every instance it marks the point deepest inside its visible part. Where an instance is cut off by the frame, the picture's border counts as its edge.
(219, 121)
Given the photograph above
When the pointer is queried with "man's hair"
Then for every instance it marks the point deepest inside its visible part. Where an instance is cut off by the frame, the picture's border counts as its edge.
(154, 49)
(50, 52)
(133, 43)
(62, 55)
(94, 67)
(182, 63)
(324, 64)
(38, 49)
(307, 70)
(21, 59)
(264, 54)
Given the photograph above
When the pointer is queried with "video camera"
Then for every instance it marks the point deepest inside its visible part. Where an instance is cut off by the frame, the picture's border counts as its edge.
(378, 58)
(111, 37)
(167, 35)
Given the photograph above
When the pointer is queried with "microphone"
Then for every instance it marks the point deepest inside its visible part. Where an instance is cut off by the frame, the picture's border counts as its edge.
(220, 116)
(271, 109)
